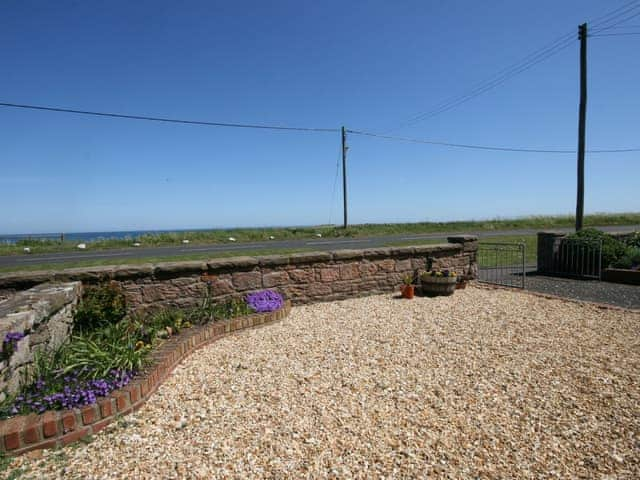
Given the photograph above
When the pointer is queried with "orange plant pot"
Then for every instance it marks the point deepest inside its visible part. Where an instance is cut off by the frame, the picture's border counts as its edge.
(408, 291)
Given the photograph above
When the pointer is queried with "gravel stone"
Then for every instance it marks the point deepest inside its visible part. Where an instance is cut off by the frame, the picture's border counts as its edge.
(482, 384)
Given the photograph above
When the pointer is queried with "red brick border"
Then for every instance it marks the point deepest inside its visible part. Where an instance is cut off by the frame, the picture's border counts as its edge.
(24, 433)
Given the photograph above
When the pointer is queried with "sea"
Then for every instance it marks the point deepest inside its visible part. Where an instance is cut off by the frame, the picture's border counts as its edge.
(92, 236)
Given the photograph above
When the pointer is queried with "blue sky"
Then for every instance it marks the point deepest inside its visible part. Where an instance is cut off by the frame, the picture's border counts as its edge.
(369, 65)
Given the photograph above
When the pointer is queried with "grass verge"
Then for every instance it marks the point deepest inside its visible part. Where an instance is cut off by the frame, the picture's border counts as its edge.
(327, 231)
(138, 261)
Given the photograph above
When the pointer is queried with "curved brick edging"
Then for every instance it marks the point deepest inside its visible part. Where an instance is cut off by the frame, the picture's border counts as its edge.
(58, 428)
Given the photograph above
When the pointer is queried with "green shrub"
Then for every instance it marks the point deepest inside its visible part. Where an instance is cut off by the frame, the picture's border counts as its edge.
(634, 240)
(623, 262)
(170, 317)
(100, 306)
(630, 260)
(612, 248)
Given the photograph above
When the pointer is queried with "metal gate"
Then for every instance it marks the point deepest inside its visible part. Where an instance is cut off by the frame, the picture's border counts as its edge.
(502, 264)
(574, 258)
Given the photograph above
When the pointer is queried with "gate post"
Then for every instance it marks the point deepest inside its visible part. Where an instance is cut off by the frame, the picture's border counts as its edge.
(547, 247)
(470, 250)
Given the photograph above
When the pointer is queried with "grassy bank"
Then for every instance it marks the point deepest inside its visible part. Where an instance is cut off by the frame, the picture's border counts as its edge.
(365, 230)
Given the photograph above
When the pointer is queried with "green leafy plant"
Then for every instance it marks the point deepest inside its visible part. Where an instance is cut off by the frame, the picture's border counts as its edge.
(634, 240)
(407, 279)
(630, 260)
(612, 248)
(99, 357)
(100, 306)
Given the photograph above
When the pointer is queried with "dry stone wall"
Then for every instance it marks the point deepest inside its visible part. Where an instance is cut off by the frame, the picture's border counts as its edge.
(44, 315)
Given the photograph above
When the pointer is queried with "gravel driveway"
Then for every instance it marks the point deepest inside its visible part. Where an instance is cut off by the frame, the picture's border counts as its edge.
(483, 384)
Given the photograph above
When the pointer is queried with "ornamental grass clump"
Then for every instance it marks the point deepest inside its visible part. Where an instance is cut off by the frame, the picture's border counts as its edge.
(265, 301)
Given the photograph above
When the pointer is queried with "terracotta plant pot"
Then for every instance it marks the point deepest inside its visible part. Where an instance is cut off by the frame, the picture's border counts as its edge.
(408, 291)
(461, 285)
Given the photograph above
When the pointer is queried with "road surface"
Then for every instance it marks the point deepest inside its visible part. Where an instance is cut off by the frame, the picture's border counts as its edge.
(315, 244)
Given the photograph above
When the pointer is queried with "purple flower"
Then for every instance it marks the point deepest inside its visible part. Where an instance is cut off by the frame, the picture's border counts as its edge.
(265, 301)
(10, 342)
(75, 393)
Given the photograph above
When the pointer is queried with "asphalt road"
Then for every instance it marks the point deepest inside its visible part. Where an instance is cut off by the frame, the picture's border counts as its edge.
(315, 244)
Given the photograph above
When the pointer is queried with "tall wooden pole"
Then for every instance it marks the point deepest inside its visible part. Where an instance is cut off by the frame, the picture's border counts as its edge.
(582, 31)
(344, 175)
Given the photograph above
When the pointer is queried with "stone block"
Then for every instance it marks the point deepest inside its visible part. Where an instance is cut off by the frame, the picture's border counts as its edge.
(274, 279)
(329, 274)
(318, 290)
(179, 269)
(367, 269)
(348, 254)
(22, 353)
(232, 263)
(418, 263)
(343, 287)
(221, 287)
(387, 265)
(402, 251)
(349, 271)
(84, 274)
(373, 253)
(131, 272)
(302, 275)
(247, 280)
(273, 260)
(403, 265)
(310, 258)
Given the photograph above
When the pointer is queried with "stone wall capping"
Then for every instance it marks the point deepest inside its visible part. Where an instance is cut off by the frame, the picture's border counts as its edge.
(310, 257)
(441, 247)
(178, 269)
(273, 260)
(462, 238)
(24, 280)
(348, 254)
(403, 251)
(231, 263)
(84, 274)
(371, 253)
(128, 272)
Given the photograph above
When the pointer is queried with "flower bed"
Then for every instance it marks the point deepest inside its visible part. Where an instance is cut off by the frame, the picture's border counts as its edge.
(82, 402)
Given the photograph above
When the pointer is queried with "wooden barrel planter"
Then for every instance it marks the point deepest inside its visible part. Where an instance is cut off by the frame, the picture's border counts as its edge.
(433, 285)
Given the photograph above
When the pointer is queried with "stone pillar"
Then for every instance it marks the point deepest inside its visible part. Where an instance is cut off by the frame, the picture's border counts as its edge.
(470, 249)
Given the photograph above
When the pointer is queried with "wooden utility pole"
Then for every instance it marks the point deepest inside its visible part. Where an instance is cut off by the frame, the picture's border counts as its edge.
(582, 33)
(344, 175)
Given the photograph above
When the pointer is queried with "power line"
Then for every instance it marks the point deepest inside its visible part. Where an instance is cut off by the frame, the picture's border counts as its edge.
(166, 120)
(622, 34)
(606, 25)
(497, 79)
(526, 63)
(486, 147)
(625, 26)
